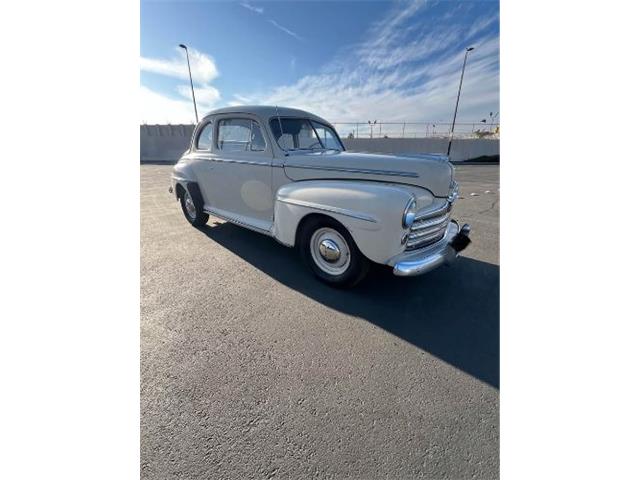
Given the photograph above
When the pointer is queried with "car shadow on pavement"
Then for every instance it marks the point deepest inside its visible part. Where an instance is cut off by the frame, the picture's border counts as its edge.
(452, 312)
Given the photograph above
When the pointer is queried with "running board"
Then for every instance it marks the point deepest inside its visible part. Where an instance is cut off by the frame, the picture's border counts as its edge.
(237, 221)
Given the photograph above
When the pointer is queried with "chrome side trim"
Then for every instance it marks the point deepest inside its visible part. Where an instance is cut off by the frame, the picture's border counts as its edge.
(326, 208)
(242, 162)
(235, 221)
(392, 173)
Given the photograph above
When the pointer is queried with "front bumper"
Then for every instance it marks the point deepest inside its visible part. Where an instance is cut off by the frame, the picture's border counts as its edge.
(445, 251)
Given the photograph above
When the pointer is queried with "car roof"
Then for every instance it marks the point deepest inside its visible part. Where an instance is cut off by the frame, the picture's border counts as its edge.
(265, 112)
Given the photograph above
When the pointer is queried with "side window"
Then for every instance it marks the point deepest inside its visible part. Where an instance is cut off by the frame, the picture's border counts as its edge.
(327, 136)
(307, 137)
(205, 138)
(240, 135)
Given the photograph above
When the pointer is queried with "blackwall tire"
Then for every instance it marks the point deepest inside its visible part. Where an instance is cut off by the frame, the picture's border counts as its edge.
(194, 215)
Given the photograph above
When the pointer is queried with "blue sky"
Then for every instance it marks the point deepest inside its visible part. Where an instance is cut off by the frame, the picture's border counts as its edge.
(344, 60)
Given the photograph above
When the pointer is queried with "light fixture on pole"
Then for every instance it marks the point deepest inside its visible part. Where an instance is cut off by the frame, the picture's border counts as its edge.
(493, 119)
(455, 113)
(371, 125)
(193, 95)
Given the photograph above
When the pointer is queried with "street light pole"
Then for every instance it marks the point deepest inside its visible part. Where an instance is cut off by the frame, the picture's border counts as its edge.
(455, 113)
(193, 95)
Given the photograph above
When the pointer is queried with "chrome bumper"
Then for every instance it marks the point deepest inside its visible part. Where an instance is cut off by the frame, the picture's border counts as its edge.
(445, 251)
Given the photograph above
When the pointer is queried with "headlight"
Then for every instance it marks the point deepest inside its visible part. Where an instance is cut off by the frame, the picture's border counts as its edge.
(453, 193)
(409, 214)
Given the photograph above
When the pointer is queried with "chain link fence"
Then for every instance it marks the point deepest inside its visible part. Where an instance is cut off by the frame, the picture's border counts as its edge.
(416, 129)
(370, 130)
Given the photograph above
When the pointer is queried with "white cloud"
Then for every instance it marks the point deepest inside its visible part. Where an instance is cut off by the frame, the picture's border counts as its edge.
(157, 108)
(404, 70)
(258, 10)
(206, 96)
(240, 100)
(481, 24)
(203, 67)
(285, 29)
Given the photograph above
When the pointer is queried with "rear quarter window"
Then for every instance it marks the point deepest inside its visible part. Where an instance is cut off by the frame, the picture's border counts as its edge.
(205, 138)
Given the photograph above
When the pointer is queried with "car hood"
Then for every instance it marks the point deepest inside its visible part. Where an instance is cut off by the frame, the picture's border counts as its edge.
(433, 172)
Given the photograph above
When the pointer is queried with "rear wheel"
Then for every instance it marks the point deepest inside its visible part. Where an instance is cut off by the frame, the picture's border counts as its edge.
(194, 215)
(329, 250)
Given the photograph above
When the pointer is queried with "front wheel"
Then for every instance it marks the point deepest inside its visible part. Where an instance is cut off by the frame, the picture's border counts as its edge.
(194, 215)
(329, 250)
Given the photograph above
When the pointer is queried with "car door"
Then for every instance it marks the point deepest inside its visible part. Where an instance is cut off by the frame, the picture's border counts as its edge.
(240, 171)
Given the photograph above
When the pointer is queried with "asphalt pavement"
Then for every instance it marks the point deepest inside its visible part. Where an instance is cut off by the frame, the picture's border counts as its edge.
(251, 368)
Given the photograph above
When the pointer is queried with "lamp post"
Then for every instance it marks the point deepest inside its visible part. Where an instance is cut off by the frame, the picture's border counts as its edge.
(371, 125)
(193, 95)
(455, 113)
(493, 119)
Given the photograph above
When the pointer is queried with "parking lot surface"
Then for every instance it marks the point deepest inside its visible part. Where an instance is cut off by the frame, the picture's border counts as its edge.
(251, 368)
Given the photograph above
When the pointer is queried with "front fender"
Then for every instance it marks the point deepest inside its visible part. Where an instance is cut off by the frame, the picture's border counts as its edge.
(370, 211)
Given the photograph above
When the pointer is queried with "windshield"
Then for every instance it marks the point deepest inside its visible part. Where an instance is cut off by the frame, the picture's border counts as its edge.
(304, 134)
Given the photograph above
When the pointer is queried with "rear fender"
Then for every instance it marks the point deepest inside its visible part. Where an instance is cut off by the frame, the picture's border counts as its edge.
(196, 195)
(184, 175)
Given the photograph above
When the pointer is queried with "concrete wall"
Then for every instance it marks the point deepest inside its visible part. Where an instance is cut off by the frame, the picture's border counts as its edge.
(461, 148)
(166, 143)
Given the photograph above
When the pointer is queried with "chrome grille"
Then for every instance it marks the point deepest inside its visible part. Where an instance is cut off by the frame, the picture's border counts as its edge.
(429, 227)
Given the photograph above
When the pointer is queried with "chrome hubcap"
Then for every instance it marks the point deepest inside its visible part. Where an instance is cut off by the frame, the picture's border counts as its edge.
(330, 251)
(190, 207)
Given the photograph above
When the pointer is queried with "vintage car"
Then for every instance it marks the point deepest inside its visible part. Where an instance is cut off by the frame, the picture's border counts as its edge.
(285, 173)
